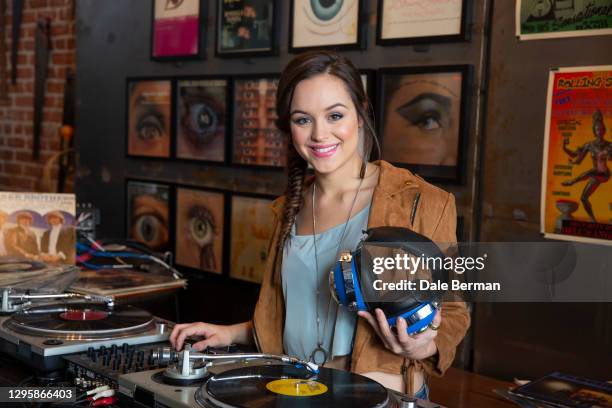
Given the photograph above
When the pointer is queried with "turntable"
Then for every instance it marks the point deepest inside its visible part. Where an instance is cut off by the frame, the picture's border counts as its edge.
(40, 335)
(252, 380)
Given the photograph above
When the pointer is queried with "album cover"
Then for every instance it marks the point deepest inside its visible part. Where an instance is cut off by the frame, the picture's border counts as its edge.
(148, 214)
(562, 390)
(176, 29)
(148, 117)
(422, 113)
(325, 24)
(199, 229)
(201, 120)
(38, 227)
(247, 27)
(256, 139)
(252, 221)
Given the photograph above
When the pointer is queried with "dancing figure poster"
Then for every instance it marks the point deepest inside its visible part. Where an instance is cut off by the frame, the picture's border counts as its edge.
(576, 187)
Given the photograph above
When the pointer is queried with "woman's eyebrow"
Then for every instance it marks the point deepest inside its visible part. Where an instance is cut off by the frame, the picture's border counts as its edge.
(335, 105)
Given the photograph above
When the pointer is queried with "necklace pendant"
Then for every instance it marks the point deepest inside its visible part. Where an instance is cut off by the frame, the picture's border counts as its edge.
(319, 356)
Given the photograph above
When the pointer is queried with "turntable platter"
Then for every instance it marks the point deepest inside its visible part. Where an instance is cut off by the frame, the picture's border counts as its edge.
(287, 386)
(81, 321)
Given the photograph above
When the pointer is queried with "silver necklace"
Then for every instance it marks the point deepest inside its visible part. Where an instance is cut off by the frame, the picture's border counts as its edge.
(320, 355)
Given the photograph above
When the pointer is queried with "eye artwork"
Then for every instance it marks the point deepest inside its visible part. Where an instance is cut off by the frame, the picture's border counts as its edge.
(201, 120)
(251, 232)
(325, 23)
(149, 118)
(256, 139)
(199, 229)
(421, 121)
(148, 214)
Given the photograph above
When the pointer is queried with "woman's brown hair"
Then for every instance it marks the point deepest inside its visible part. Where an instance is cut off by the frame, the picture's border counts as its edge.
(305, 66)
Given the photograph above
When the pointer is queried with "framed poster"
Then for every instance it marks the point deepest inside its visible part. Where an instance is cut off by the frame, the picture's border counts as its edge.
(421, 21)
(542, 19)
(422, 119)
(200, 218)
(251, 219)
(148, 117)
(247, 28)
(256, 140)
(176, 29)
(201, 119)
(326, 24)
(148, 214)
(576, 197)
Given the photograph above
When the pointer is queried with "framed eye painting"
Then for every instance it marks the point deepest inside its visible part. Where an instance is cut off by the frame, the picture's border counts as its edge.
(422, 119)
(201, 119)
(176, 29)
(421, 21)
(336, 24)
(251, 221)
(200, 224)
(256, 140)
(148, 213)
(148, 106)
(247, 28)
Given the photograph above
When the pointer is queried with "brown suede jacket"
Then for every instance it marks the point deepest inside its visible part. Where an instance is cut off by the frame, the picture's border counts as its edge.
(392, 205)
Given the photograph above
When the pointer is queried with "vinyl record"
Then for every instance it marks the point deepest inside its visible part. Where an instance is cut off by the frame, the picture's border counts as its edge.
(287, 386)
(81, 320)
(12, 265)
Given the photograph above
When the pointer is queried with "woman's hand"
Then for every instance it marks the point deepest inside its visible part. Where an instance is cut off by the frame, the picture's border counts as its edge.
(416, 347)
(215, 335)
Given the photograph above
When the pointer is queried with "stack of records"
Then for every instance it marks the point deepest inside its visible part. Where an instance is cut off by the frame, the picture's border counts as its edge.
(25, 274)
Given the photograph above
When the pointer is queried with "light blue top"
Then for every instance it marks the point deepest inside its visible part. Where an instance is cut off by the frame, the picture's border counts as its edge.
(300, 285)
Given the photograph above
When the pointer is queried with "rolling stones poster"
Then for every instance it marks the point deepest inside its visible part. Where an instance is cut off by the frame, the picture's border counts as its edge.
(38, 227)
(576, 188)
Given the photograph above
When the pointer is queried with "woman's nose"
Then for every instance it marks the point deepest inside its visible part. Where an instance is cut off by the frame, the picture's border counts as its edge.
(319, 131)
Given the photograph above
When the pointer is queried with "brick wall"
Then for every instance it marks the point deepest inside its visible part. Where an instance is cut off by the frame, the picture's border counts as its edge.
(18, 171)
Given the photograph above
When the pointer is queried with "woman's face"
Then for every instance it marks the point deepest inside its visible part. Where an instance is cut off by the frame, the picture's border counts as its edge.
(421, 120)
(324, 123)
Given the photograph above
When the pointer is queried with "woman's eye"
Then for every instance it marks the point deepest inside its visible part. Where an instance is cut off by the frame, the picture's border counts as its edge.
(326, 10)
(301, 121)
(429, 122)
(150, 127)
(335, 116)
(201, 226)
(149, 229)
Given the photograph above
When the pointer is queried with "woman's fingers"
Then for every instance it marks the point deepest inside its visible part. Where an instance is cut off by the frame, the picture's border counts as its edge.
(385, 330)
(186, 332)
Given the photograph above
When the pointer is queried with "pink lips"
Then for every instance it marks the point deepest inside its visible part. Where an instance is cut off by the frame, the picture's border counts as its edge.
(324, 150)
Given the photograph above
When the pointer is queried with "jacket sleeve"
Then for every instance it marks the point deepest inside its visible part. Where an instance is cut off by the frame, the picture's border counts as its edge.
(455, 316)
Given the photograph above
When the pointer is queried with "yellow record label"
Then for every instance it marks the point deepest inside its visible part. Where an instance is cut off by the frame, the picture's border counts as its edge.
(297, 387)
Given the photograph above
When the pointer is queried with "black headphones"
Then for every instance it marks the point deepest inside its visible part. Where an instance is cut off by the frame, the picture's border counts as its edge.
(352, 286)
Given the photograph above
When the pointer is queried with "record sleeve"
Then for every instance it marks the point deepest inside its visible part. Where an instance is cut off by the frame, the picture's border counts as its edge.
(123, 282)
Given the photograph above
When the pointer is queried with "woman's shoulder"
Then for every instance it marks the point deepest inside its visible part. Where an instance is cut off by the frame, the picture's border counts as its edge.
(394, 179)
